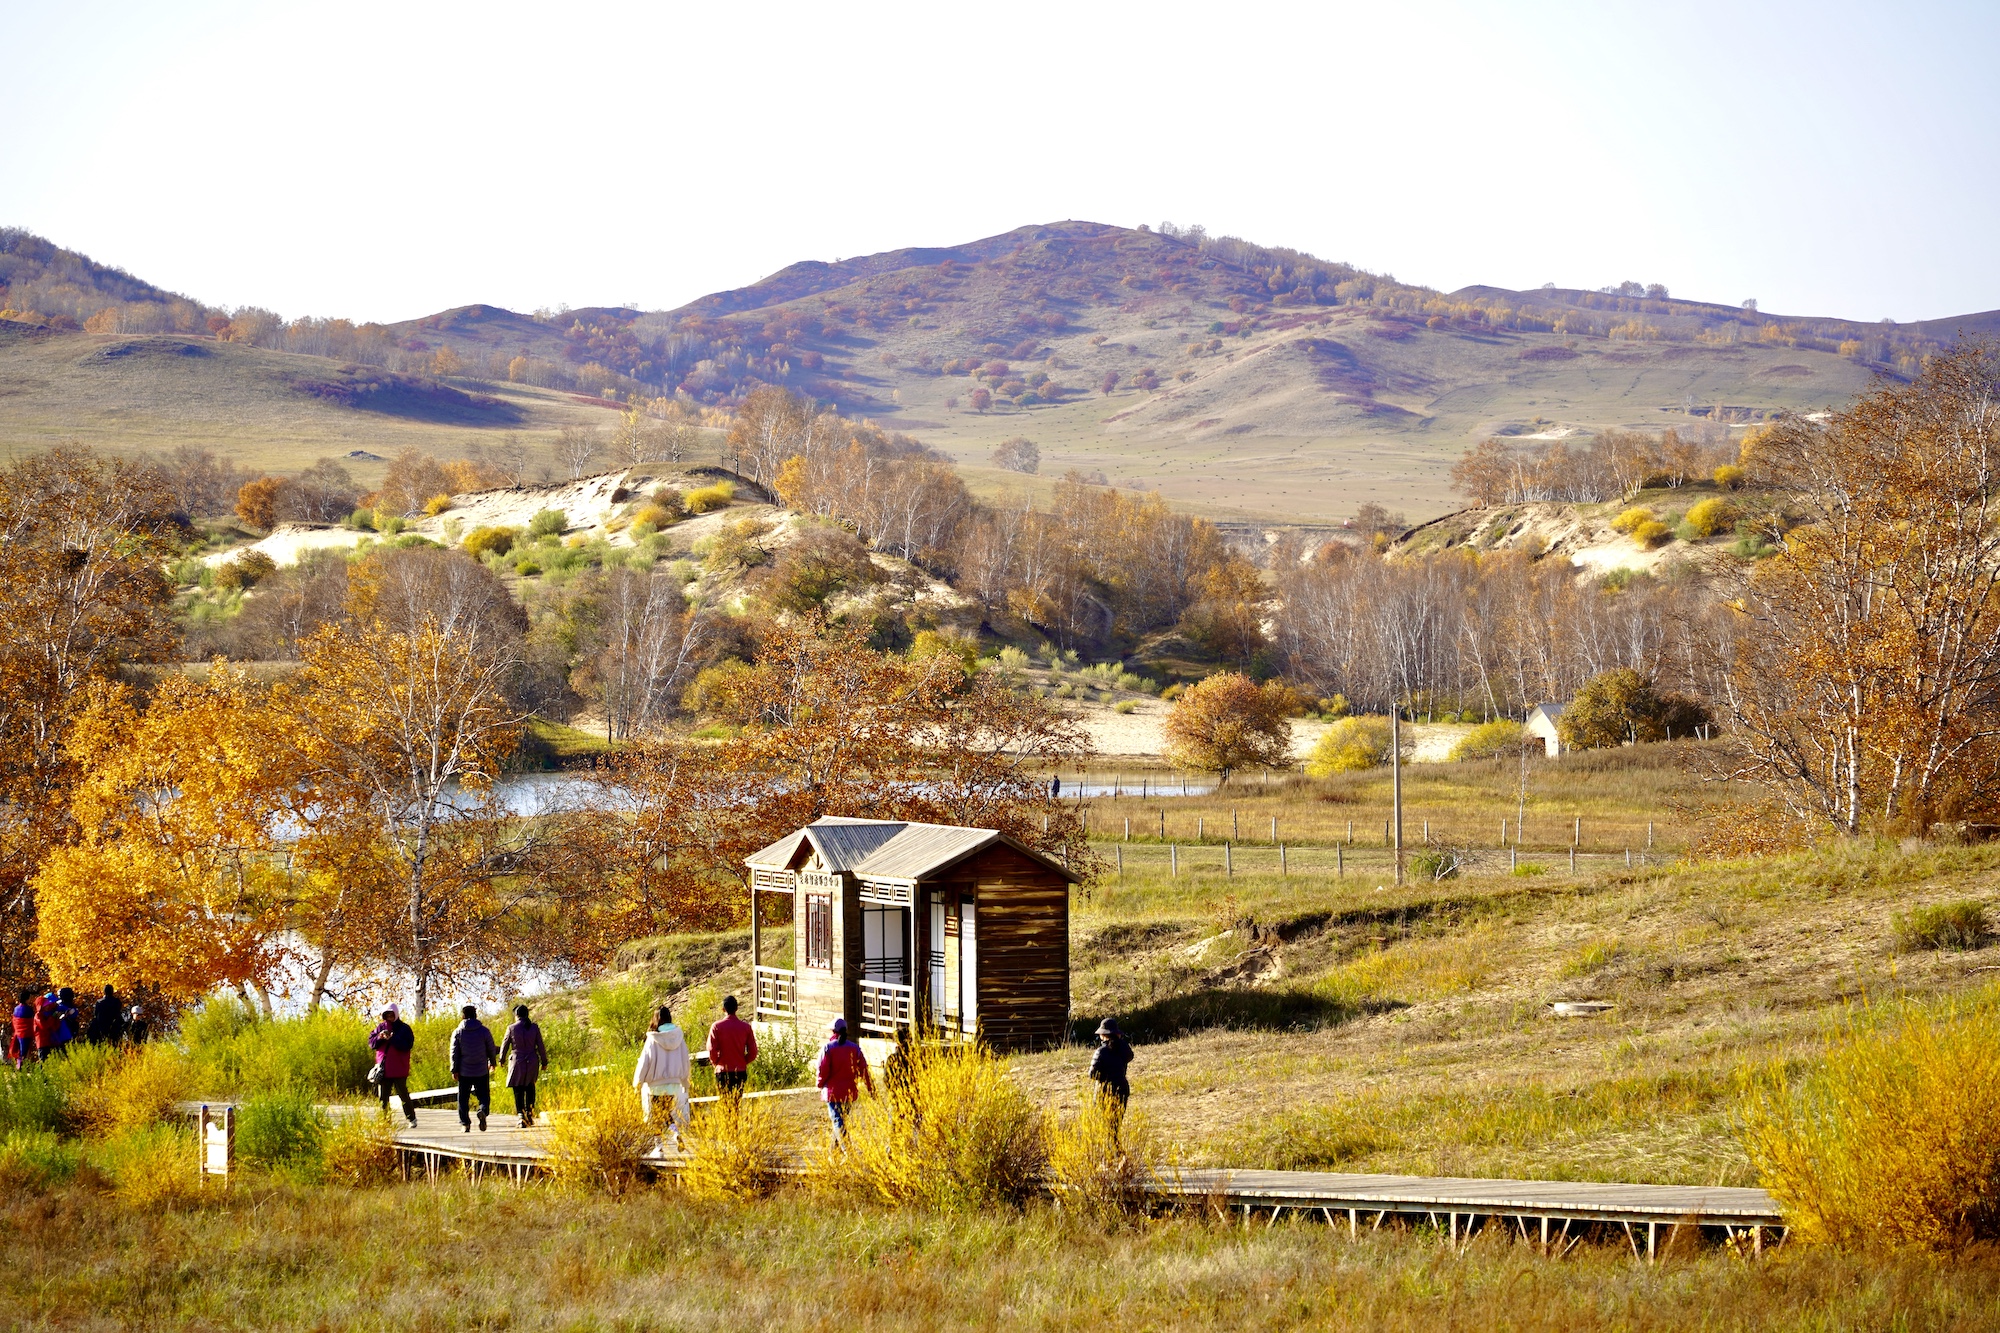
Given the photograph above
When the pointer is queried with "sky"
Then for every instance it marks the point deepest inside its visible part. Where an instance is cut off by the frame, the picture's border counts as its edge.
(382, 161)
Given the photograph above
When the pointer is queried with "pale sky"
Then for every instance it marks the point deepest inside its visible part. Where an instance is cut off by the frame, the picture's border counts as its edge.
(382, 161)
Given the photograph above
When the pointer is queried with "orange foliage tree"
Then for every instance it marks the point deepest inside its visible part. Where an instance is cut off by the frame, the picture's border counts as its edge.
(1228, 721)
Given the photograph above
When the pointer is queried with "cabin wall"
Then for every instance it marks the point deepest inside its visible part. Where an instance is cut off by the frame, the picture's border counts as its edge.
(1022, 919)
(825, 995)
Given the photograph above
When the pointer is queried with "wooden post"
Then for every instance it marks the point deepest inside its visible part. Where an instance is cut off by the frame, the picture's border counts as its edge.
(1340, 858)
(1513, 858)
(1576, 833)
(1628, 858)
(1173, 860)
(1274, 828)
(1121, 860)
(1427, 830)
(1649, 835)
(1503, 833)
(1228, 858)
(1163, 823)
(1128, 828)
(1235, 829)
(1200, 824)
(1282, 871)
(1396, 782)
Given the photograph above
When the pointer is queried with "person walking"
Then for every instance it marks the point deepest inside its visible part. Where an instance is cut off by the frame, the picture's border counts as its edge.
(48, 1027)
(473, 1056)
(138, 1029)
(392, 1041)
(1109, 1062)
(21, 1045)
(72, 1019)
(732, 1045)
(842, 1069)
(107, 1020)
(662, 1070)
(526, 1057)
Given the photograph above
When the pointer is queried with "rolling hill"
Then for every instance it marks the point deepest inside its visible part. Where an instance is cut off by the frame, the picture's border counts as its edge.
(1243, 381)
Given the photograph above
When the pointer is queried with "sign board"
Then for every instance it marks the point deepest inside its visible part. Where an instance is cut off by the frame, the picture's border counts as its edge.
(218, 1139)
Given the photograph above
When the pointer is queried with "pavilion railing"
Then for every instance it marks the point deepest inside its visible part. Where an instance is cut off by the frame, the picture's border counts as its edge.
(887, 1006)
(777, 993)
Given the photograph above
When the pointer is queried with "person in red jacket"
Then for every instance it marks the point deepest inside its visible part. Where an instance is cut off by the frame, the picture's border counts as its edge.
(732, 1045)
(392, 1041)
(48, 1027)
(22, 1045)
(842, 1067)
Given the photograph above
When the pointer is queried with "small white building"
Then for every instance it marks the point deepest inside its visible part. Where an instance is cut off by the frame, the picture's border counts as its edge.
(1541, 724)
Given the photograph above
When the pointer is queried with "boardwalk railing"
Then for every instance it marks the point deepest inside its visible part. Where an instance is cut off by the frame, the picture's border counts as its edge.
(777, 993)
(886, 1006)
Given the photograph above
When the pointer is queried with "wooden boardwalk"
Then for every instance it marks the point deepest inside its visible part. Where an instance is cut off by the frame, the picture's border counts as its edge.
(1556, 1213)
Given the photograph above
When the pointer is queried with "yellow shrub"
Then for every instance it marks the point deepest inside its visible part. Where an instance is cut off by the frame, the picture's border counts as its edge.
(1100, 1159)
(734, 1152)
(153, 1167)
(138, 1086)
(1892, 1138)
(1729, 476)
(497, 541)
(436, 505)
(1348, 746)
(1710, 516)
(705, 498)
(656, 515)
(1632, 518)
(1652, 533)
(948, 1130)
(603, 1144)
(1500, 736)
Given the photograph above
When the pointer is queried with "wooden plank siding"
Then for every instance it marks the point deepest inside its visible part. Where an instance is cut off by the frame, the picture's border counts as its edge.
(1022, 917)
(822, 992)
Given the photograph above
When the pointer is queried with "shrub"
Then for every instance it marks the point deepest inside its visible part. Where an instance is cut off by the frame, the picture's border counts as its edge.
(436, 505)
(1621, 705)
(1348, 746)
(359, 1150)
(138, 1086)
(1631, 519)
(482, 542)
(33, 1101)
(548, 523)
(652, 518)
(1959, 925)
(1729, 476)
(233, 1051)
(388, 524)
(1435, 864)
(1891, 1138)
(527, 569)
(362, 519)
(948, 1130)
(1173, 692)
(734, 1152)
(603, 1144)
(285, 1133)
(1707, 517)
(154, 1167)
(703, 499)
(1488, 740)
(1100, 1161)
(1227, 722)
(785, 1061)
(670, 500)
(245, 571)
(36, 1159)
(622, 1011)
(1525, 869)
(1652, 533)
(1125, 706)
(1594, 956)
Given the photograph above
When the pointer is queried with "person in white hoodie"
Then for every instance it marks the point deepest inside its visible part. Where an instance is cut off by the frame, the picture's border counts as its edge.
(663, 1069)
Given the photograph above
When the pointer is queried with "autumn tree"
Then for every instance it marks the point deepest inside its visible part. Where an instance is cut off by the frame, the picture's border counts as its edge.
(578, 449)
(176, 882)
(82, 542)
(639, 645)
(257, 501)
(1622, 707)
(1018, 454)
(1228, 721)
(1863, 676)
(410, 480)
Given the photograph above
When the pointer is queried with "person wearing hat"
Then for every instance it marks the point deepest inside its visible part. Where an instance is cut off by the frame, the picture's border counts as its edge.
(1109, 1062)
(392, 1041)
(843, 1069)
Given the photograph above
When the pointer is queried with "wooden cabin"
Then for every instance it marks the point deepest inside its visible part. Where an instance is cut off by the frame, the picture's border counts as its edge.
(964, 926)
(1541, 726)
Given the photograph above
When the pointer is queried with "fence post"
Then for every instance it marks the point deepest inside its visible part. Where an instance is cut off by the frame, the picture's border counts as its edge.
(1503, 833)
(1514, 858)
(1229, 858)
(1427, 830)
(1350, 833)
(1385, 833)
(1282, 871)
(1576, 834)
(1200, 829)
(1274, 828)
(1163, 823)
(1649, 835)
(1173, 861)
(1121, 860)
(1628, 858)
(1340, 858)
(1128, 828)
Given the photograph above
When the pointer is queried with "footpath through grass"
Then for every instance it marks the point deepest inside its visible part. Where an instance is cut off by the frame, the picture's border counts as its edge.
(463, 1256)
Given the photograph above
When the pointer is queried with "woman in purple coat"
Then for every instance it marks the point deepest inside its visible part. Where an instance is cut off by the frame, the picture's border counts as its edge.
(525, 1056)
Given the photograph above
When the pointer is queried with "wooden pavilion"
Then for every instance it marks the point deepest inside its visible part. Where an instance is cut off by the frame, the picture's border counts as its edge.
(965, 927)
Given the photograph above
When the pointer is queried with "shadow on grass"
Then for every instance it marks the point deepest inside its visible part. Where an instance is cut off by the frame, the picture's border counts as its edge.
(1239, 1009)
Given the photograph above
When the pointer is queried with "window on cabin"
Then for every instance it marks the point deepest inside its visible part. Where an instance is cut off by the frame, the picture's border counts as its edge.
(819, 931)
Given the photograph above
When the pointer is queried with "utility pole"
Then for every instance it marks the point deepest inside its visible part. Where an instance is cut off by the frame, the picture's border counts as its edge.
(1396, 781)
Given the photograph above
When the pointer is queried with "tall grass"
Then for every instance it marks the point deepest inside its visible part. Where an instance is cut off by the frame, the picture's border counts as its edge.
(1892, 1136)
(283, 1132)
(734, 1151)
(948, 1131)
(598, 1137)
(1100, 1160)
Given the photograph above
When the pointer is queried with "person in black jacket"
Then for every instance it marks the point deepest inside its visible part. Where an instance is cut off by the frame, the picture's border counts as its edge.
(473, 1055)
(1110, 1061)
(107, 1020)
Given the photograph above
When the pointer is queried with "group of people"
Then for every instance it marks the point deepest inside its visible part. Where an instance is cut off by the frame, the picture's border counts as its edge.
(45, 1025)
(664, 1066)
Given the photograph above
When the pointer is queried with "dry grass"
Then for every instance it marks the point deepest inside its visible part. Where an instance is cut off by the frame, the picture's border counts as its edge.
(735, 1150)
(598, 1136)
(526, 1260)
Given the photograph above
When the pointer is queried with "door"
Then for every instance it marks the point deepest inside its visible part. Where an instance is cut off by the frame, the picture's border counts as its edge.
(943, 975)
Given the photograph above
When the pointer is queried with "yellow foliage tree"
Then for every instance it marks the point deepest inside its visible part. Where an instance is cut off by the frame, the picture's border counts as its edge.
(1227, 722)
(175, 881)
